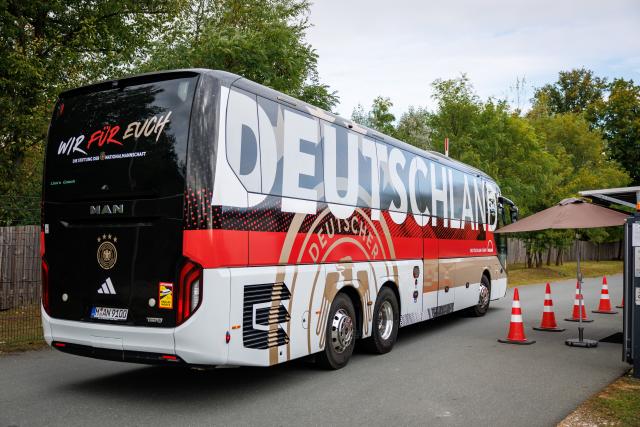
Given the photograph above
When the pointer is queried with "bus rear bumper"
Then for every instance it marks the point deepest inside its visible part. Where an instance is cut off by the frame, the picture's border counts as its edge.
(198, 341)
(108, 337)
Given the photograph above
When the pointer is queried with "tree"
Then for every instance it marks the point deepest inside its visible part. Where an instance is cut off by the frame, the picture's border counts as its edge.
(379, 117)
(360, 116)
(413, 128)
(261, 40)
(620, 122)
(582, 153)
(48, 46)
(575, 91)
(457, 113)
(613, 108)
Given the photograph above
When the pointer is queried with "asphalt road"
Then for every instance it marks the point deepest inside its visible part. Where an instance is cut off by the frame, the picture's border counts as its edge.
(446, 372)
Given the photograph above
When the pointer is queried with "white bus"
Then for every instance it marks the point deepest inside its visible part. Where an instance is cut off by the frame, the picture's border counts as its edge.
(197, 217)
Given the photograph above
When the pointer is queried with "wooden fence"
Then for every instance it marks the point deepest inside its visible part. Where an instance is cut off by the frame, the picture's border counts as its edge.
(589, 252)
(20, 274)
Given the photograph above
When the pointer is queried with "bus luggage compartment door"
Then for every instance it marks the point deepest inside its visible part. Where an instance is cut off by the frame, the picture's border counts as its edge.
(115, 270)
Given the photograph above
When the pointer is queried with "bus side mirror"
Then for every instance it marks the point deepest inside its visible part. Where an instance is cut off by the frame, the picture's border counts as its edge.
(514, 214)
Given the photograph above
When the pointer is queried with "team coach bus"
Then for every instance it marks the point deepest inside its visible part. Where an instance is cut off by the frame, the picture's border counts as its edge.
(196, 217)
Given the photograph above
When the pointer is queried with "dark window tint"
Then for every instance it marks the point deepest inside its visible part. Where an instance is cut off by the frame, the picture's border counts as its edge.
(126, 141)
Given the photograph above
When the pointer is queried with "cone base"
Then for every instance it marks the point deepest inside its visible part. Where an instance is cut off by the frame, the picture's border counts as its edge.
(576, 342)
(540, 328)
(604, 311)
(619, 306)
(571, 319)
(508, 341)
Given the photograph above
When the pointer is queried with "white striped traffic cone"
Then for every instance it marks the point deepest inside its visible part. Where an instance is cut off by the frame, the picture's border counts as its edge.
(516, 327)
(604, 307)
(548, 322)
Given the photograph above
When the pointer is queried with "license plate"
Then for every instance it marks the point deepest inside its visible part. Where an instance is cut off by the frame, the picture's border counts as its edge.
(106, 313)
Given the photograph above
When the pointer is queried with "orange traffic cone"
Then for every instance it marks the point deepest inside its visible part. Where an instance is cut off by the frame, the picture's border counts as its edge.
(548, 322)
(516, 327)
(605, 303)
(576, 308)
(621, 304)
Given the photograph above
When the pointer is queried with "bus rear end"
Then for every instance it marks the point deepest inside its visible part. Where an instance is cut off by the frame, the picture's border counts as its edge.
(116, 284)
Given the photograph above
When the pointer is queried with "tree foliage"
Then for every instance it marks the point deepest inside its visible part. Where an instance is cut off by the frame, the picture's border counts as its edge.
(613, 108)
(263, 40)
(619, 119)
(413, 128)
(575, 91)
(379, 117)
(48, 46)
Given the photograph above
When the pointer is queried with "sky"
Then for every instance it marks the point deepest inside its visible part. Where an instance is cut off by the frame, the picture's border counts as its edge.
(397, 48)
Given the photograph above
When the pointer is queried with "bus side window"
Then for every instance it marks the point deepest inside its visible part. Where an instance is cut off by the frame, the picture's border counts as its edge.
(394, 166)
(291, 155)
(456, 197)
(419, 188)
(438, 190)
(302, 176)
(270, 125)
(340, 160)
(243, 149)
(369, 175)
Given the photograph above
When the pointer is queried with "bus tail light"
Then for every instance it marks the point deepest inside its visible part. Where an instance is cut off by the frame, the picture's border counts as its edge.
(189, 291)
(45, 286)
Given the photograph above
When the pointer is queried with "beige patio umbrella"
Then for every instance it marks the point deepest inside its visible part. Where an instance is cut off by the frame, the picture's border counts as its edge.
(570, 213)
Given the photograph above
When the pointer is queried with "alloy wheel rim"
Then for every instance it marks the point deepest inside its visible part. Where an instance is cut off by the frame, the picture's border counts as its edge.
(341, 331)
(385, 320)
(484, 295)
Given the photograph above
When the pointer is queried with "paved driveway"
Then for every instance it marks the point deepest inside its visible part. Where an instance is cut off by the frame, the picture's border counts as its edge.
(446, 372)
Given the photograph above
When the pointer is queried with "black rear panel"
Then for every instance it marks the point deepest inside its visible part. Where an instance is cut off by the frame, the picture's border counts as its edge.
(113, 200)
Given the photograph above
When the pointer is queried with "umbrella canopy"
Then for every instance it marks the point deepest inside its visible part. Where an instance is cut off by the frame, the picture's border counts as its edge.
(569, 213)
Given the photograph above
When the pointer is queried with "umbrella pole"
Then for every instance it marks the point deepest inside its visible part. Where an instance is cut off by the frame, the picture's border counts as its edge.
(580, 341)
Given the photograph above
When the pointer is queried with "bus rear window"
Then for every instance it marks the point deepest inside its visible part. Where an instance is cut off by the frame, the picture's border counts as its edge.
(120, 142)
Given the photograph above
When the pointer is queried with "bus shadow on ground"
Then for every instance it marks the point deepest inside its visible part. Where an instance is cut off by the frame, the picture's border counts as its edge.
(422, 330)
(158, 384)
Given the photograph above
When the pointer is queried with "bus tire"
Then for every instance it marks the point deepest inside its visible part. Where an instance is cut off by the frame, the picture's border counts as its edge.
(340, 336)
(385, 324)
(484, 298)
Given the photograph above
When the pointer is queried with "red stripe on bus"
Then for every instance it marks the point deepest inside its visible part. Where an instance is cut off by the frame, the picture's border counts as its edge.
(233, 248)
(216, 248)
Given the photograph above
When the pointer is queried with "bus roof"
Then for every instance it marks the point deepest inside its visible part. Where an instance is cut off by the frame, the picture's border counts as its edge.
(274, 95)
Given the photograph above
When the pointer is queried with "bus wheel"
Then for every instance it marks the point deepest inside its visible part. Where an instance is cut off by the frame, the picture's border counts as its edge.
(340, 335)
(386, 321)
(481, 308)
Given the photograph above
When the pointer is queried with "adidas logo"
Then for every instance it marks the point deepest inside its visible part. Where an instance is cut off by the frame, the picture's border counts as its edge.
(107, 287)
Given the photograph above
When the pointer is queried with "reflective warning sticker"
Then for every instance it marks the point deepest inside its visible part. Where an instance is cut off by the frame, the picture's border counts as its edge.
(165, 296)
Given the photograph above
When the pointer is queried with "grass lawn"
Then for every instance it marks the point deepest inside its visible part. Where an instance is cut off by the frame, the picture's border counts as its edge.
(617, 405)
(519, 275)
(20, 329)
